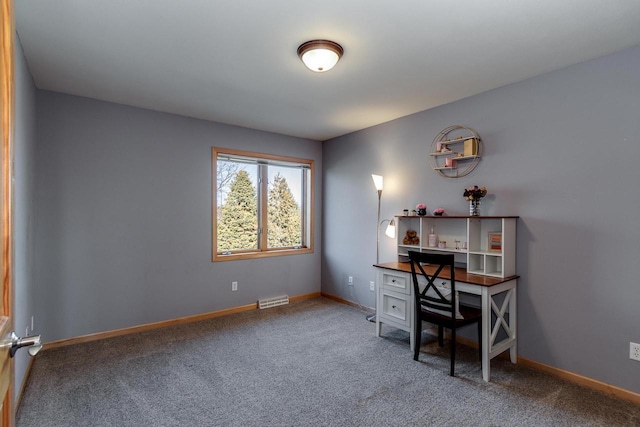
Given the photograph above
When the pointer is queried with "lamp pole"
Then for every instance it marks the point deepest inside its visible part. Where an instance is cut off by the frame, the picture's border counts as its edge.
(377, 181)
(378, 230)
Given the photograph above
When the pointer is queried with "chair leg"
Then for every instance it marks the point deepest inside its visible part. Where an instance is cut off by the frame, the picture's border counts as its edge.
(453, 351)
(440, 336)
(418, 339)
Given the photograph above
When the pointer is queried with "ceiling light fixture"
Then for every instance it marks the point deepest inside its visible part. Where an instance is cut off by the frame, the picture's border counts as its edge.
(320, 55)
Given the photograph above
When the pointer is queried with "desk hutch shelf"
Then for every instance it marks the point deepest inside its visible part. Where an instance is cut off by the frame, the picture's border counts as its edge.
(484, 245)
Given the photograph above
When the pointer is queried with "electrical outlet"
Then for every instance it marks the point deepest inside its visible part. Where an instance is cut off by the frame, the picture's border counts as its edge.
(234, 286)
(372, 286)
(351, 280)
(634, 351)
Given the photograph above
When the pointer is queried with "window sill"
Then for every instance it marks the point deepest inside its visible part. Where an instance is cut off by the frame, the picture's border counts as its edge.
(262, 254)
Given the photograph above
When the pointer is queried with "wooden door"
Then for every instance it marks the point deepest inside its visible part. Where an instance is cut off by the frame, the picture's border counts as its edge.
(6, 206)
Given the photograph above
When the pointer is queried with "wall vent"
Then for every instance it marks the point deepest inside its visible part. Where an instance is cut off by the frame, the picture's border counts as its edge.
(272, 302)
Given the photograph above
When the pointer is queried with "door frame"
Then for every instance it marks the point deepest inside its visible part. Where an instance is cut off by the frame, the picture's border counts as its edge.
(7, 119)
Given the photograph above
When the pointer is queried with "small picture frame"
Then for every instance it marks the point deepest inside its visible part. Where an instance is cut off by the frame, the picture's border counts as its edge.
(494, 241)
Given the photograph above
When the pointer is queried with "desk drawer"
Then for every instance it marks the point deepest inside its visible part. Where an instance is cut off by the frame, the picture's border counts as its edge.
(460, 286)
(397, 282)
(395, 307)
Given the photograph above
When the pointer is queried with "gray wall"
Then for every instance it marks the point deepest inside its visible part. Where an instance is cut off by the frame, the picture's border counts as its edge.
(24, 206)
(562, 152)
(124, 218)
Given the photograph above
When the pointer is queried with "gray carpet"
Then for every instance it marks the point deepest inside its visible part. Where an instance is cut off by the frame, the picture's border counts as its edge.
(310, 363)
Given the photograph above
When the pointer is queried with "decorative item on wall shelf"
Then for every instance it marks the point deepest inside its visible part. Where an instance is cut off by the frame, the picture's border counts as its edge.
(474, 195)
(421, 208)
(455, 151)
(438, 212)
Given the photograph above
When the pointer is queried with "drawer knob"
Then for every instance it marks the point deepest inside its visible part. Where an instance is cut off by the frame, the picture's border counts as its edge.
(393, 306)
(393, 280)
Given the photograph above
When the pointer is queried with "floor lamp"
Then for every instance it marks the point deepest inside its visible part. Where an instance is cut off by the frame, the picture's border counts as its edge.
(391, 228)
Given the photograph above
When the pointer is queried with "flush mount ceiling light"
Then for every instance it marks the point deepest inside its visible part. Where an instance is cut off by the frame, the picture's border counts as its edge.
(320, 55)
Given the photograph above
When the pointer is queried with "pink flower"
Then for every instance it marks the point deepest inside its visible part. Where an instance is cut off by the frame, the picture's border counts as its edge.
(438, 211)
(421, 206)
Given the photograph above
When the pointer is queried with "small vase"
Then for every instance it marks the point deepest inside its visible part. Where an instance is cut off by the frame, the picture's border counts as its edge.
(422, 212)
(474, 207)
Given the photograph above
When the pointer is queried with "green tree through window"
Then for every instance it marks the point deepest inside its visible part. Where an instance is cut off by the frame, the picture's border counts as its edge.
(284, 225)
(238, 224)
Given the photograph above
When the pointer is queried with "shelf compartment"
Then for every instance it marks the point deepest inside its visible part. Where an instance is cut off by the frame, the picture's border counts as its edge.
(479, 229)
(475, 263)
(493, 265)
(447, 229)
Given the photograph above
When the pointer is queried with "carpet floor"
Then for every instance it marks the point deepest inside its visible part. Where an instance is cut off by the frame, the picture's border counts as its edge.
(311, 363)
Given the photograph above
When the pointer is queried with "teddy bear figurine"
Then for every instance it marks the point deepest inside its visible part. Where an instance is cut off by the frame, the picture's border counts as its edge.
(411, 238)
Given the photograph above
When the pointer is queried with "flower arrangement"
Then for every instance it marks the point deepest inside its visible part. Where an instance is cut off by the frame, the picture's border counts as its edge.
(421, 208)
(438, 212)
(475, 193)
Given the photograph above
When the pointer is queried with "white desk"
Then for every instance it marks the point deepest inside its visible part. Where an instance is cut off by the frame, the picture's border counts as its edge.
(395, 306)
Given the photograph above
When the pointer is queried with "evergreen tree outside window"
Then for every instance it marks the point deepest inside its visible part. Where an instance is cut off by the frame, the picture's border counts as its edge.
(262, 205)
(238, 221)
(284, 224)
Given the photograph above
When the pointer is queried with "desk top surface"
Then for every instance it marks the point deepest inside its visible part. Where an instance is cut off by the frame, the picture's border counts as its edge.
(461, 274)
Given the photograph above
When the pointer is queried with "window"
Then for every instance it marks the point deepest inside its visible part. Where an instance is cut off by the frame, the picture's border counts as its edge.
(262, 205)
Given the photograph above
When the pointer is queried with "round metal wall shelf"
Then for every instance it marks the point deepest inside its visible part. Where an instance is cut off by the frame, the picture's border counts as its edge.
(455, 152)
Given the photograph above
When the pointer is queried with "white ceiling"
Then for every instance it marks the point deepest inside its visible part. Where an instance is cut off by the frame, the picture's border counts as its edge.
(235, 61)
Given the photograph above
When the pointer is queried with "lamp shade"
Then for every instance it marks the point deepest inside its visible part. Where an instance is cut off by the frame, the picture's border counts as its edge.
(377, 181)
(391, 229)
(320, 55)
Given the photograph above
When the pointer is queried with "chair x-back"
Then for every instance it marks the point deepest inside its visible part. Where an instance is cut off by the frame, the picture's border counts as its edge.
(438, 304)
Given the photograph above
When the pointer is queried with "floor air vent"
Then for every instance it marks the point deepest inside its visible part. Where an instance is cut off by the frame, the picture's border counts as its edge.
(272, 302)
